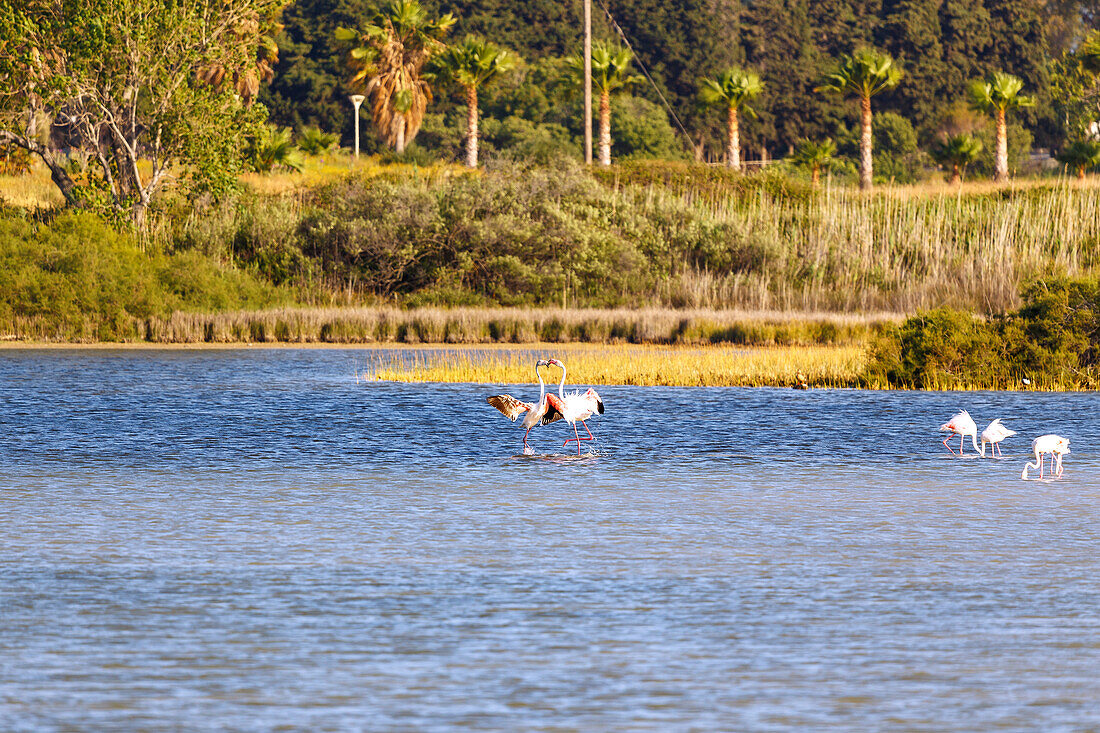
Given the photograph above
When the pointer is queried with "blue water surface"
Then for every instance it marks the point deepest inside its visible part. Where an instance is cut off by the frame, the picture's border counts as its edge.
(249, 539)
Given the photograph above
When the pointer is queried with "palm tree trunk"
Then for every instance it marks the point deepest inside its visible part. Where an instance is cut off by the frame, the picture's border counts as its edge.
(471, 126)
(605, 128)
(956, 175)
(1000, 172)
(815, 176)
(399, 132)
(1080, 173)
(733, 147)
(865, 160)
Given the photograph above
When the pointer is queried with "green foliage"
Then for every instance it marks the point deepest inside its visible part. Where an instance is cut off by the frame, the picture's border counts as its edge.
(1080, 156)
(312, 141)
(814, 156)
(475, 61)
(1000, 93)
(610, 68)
(640, 129)
(732, 89)
(78, 279)
(864, 73)
(897, 156)
(1019, 147)
(1053, 340)
(272, 148)
(957, 152)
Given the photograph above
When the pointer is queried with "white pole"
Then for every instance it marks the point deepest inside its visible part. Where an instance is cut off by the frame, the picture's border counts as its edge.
(588, 82)
(357, 99)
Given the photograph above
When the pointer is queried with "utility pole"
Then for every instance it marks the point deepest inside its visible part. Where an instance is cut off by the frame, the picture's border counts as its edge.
(357, 99)
(588, 82)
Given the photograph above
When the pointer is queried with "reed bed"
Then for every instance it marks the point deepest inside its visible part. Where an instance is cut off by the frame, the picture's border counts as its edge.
(517, 326)
(644, 365)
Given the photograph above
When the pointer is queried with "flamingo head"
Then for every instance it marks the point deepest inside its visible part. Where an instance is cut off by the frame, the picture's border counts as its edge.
(554, 362)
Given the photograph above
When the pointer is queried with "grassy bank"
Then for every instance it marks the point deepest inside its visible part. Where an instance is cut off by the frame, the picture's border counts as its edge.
(784, 366)
(468, 325)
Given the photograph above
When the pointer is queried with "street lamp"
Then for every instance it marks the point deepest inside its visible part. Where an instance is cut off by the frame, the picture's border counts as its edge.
(357, 99)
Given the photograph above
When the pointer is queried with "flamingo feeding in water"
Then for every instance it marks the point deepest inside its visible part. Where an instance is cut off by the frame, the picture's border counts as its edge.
(539, 413)
(994, 434)
(1056, 446)
(575, 406)
(961, 425)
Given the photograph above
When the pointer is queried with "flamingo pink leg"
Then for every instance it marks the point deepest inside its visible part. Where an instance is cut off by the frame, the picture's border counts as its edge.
(590, 435)
(525, 439)
(945, 445)
(960, 444)
(578, 438)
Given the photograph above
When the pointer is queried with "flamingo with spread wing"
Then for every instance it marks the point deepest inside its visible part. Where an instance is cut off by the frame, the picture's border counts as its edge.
(538, 413)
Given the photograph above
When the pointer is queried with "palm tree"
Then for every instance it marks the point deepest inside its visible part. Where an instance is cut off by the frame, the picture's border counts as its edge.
(272, 148)
(246, 79)
(610, 67)
(863, 74)
(1081, 155)
(471, 64)
(732, 90)
(314, 142)
(957, 151)
(998, 95)
(814, 156)
(388, 61)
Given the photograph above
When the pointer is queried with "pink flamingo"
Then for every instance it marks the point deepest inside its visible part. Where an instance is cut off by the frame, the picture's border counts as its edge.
(539, 413)
(961, 425)
(994, 434)
(574, 406)
(1056, 446)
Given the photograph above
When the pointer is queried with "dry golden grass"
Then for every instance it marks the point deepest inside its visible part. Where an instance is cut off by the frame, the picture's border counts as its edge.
(518, 325)
(322, 169)
(33, 191)
(713, 366)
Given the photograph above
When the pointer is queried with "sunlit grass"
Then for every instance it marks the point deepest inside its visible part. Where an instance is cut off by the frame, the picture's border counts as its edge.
(321, 169)
(714, 366)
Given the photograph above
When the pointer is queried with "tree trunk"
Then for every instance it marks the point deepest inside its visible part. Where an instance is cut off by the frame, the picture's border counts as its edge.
(956, 174)
(58, 174)
(471, 126)
(733, 146)
(1000, 172)
(815, 175)
(865, 160)
(399, 133)
(1080, 173)
(605, 128)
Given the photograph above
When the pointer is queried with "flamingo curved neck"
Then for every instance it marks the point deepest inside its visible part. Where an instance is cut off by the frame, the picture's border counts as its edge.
(542, 384)
(561, 385)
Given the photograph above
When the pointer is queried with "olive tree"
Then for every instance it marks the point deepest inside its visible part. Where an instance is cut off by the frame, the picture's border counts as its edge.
(123, 82)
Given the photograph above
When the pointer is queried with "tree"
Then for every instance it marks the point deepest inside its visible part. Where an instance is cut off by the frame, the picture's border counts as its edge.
(119, 81)
(998, 95)
(470, 64)
(270, 148)
(1080, 155)
(257, 34)
(732, 90)
(388, 62)
(312, 141)
(863, 74)
(814, 156)
(957, 151)
(610, 72)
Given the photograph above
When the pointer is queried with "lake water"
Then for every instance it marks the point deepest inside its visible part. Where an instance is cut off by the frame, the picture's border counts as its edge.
(250, 540)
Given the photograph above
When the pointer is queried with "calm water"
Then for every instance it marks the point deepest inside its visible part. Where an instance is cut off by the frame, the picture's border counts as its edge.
(250, 540)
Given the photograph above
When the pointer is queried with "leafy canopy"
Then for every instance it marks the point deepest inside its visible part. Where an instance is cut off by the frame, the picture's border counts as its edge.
(731, 89)
(610, 68)
(476, 61)
(1000, 93)
(864, 73)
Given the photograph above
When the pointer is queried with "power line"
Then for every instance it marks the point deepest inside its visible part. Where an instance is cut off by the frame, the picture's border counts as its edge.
(646, 72)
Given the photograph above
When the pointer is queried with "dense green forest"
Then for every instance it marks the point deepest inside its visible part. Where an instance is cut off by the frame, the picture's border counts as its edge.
(534, 112)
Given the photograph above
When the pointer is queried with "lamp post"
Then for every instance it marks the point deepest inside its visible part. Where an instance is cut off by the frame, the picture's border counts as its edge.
(357, 99)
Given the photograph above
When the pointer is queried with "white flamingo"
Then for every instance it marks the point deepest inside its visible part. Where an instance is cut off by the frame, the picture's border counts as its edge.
(961, 424)
(1056, 446)
(994, 434)
(574, 406)
(538, 413)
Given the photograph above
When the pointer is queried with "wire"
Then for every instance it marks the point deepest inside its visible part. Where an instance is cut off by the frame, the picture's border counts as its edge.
(646, 72)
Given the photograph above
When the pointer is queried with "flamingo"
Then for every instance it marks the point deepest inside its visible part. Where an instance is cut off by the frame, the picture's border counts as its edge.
(537, 413)
(994, 434)
(574, 406)
(961, 425)
(1056, 446)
